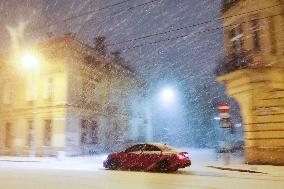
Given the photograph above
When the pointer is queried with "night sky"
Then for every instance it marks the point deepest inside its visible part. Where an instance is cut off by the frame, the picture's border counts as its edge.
(185, 64)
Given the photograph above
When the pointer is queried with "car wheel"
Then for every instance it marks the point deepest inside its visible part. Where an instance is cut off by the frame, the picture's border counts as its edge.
(163, 166)
(113, 164)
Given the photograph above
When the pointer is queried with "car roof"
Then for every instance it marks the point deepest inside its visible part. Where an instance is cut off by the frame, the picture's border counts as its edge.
(163, 147)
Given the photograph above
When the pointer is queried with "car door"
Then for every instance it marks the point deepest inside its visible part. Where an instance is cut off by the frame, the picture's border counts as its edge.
(132, 157)
(151, 154)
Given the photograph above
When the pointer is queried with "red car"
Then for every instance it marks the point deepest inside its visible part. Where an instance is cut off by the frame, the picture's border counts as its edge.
(148, 157)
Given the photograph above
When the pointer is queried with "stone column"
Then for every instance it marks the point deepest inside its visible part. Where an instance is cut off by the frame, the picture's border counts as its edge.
(260, 94)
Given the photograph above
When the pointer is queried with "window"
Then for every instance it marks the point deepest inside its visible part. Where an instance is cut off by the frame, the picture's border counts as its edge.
(47, 133)
(94, 133)
(255, 35)
(272, 31)
(89, 132)
(236, 38)
(84, 92)
(8, 137)
(151, 148)
(30, 88)
(84, 132)
(30, 133)
(117, 133)
(135, 148)
(49, 88)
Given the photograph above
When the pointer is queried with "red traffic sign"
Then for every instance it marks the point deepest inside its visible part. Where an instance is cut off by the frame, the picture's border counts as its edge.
(224, 107)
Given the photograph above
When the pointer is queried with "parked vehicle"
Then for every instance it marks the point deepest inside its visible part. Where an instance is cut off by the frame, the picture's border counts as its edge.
(148, 157)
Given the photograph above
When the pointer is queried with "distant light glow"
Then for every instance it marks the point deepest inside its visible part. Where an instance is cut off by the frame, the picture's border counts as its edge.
(238, 125)
(168, 95)
(217, 118)
(29, 61)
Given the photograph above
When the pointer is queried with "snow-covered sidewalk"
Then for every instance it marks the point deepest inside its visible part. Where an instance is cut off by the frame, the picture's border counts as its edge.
(277, 171)
(52, 159)
(208, 158)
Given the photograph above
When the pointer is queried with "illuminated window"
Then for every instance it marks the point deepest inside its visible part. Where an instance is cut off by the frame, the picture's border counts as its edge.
(30, 133)
(49, 88)
(237, 38)
(30, 88)
(47, 133)
(8, 135)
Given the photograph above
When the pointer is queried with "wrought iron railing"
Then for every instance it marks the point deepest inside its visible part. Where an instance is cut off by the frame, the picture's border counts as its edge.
(234, 61)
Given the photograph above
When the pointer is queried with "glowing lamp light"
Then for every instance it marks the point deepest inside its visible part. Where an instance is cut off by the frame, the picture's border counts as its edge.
(168, 95)
(29, 61)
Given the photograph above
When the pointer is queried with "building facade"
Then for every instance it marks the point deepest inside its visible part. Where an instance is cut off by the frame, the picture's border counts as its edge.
(74, 99)
(253, 72)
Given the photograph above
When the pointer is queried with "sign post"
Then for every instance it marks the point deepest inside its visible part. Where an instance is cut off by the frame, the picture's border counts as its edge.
(225, 122)
(224, 111)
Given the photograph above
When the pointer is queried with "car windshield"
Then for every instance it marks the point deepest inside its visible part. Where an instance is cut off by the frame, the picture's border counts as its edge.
(151, 148)
(135, 148)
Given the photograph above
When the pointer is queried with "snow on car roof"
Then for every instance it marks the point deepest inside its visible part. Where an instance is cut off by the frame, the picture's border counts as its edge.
(164, 147)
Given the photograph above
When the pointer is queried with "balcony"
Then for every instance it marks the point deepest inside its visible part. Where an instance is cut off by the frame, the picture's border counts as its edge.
(236, 61)
(227, 4)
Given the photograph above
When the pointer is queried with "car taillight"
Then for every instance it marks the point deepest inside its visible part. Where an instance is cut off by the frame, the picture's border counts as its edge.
(183, 155)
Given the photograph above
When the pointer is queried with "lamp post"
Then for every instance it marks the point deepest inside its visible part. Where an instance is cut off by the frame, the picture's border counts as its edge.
(225, 122)
(30, 63)
(167, 104)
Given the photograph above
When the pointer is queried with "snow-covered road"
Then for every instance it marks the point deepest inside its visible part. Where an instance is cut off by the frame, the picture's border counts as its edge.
(87, 173)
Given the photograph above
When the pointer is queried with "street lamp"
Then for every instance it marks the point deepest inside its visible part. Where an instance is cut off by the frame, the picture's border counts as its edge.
(29, 61)
(168, 95)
